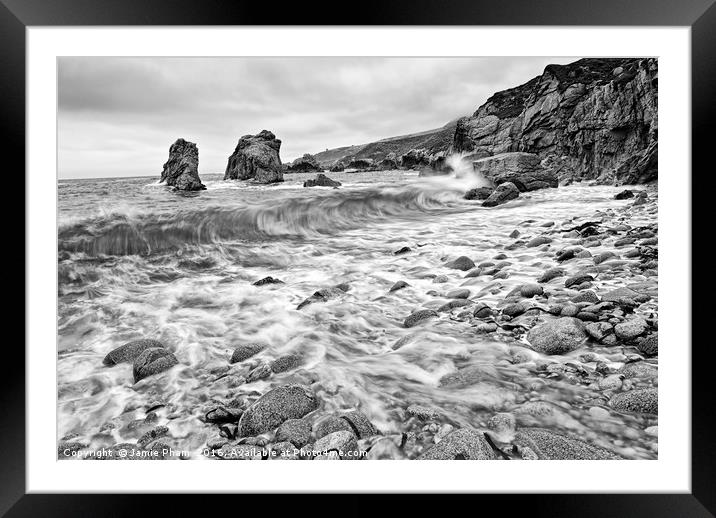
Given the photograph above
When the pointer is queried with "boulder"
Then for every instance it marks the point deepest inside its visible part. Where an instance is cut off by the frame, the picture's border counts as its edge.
(152, 361)
(462, 444)
(479, 193)
(321, 180)
(246, 351)
(344, 442)
(415, 318)
(649, 346)
(523, 170)
(641, 401)
(256, 157)
(558, 336)
(502, 194)
(181, 170)
(129, 351)
(305, 164)
(463, 263)
(276, 407)
(549, 445)
(295, 431)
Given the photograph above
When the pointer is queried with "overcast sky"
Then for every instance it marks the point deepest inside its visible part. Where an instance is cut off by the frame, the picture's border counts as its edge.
(118, 116)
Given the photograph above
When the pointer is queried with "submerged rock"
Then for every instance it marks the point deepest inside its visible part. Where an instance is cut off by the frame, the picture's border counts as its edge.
(256, 157)
(275, 407)
(415, 318)
(399, 285)
(267, 280)
(463, 444)
(502, 194)
(321, 180)
(129, 351)
(153, 361)
(558, 336)
(325, 294)
(181, 170)
(549, 445)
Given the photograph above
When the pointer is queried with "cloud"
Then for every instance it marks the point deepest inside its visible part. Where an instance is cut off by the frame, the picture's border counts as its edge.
(118, 116)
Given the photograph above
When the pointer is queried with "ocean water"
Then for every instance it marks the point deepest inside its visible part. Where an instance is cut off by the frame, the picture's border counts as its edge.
(137, 260)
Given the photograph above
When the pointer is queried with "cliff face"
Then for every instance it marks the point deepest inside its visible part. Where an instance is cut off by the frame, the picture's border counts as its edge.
(591, 119)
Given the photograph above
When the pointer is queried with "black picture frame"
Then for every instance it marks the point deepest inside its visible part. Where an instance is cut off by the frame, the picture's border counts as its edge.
(700, 15)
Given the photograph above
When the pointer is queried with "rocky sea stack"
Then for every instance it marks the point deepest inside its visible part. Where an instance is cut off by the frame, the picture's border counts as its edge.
(181, 171)
(256, 158)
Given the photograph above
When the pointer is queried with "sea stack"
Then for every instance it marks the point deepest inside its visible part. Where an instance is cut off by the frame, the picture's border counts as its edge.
(256, 158)
(181, 171)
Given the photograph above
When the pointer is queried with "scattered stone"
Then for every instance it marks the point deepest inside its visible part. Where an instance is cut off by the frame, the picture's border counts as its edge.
(223, 415)
(538, 241)
(642, 401)
(152, 435)
(577, 280)
(246, 351)
(325, 294)
(275, 407)
(419, 316)
(361, 425)
(423, 413)
(267, 280)
(550, 445)
(550, 274)
(466, 444)
(457, 303)
(482, 311)
(630, 329)
(514, 310)
(285, 363)
(639, 369)
(130, 351)
(586, 296)
(441, 279)
(343, 442)
(600, 258)
(599, 330)
(330, 424)
(459, 294)
(479, 193)
(558, 336)
(502, 194)
(399, 285)
(619, 294)
(489, 327)
(503, 425)
(153, 361)
(295, 431)
(514, 234)
(623, 195)
(461, 263)
(649, 346)
(260, 372)
(531, 290)
(403, 250)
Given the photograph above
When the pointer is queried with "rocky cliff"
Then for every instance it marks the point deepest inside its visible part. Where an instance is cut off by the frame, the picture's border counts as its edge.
(591, 119)
(256, 158)
(181, 170)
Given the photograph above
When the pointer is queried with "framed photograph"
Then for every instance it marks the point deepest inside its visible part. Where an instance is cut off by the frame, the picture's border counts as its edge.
(438, 233)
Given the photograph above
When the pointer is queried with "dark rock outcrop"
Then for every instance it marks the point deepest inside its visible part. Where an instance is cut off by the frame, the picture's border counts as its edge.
(256, 157)
(524, 170)
(502, 194)
(181, 170)
(305, 164)
(321, 180)
(479, 193)
(415, 159)
(594, 119)
(361, 164)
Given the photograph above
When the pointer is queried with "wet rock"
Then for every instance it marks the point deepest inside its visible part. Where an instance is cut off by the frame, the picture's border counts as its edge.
(641, 401)
(441, 279)
(130, 351)
(489, 327)
(423, 413)
(524, 170)
(558, 336)
(322, 180)
(403, 250)
(463, 377)
(623, 195)
(286, 363)
(260, 372)
(502, 194)
(503, 426)
(531, 290)
(283, 451)
(538, 241)
(585, 316)
(639, 369)
(223, 415)
(361, 425)
(267, 280)
(419, 316)
(479, 193)
(514, 310)
(586, 296)
(483, 311)
(331, 424)
(325, 294)
(399, 285)
(624, 241)
(457, 303)
(611, 382)
(466, 444)
(152, 361)
(343, 442)
(152, 435)
(631, 329)
(569, 310)
(577, 280)
(649, 346)
(246, 351)
(461, 263)
(295, 431)
(599, 330)
(604, 256)
(275, 407)
(385, 449)
(459, 294)
(550, 445)
(305, 164)
(550, 274)
(256, 157)
(181, 169)
(514, 234)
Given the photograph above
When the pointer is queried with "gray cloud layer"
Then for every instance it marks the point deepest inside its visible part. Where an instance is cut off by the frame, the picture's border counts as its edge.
(118, 116)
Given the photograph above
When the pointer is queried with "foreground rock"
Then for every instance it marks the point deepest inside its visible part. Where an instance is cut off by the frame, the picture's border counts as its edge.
(181, 171)
(558, 336)
(479, 193)
(462, 444)
(152, 361)
(505, 192)
(129, 351)
(246, 351)
(275, 407)
(256, 157)
(321, 180)
(642, 401)
(523, 170)
(305, 164)
(550, 445)
(415, 318)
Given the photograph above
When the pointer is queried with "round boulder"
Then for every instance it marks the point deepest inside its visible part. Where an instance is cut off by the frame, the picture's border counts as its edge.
(558, 336)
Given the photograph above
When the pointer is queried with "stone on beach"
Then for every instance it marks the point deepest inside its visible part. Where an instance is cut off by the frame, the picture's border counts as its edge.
(399, 285)
(649, 346)
(246, 351)
(502, 194)
(275, 407)
(465, 444)
(523, 170)
(295, 431)
(630, 329)
(461, 263)
(549, 445)
(642, 401)
(479, 193)
(152, 361)
(129, 351)
(558, 336)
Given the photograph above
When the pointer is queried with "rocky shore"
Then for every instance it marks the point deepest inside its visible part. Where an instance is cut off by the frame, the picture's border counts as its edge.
(588, 318)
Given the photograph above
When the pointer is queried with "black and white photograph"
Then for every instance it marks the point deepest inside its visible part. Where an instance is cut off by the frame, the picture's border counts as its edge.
(357, 258)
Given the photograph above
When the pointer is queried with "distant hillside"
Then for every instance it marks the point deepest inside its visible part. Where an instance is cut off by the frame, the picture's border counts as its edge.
(434, 141)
